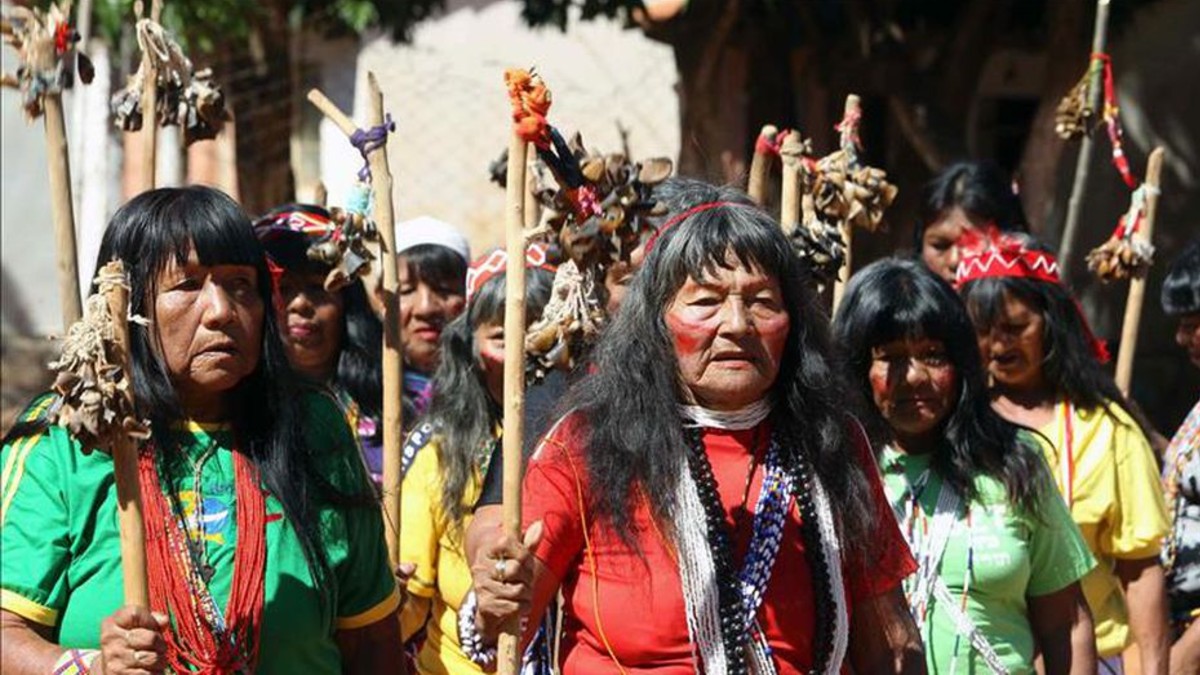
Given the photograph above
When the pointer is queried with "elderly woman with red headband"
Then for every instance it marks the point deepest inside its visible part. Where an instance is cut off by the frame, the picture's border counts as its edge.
(446, 458)
(707, 504)
(1045, 366)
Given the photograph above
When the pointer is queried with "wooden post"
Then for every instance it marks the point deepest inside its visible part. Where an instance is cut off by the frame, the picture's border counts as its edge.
(1137, 287)
(1066, 247)
(839, 285)
(149, 105)
(533, 210)
(62, 209)
(851, 111)
(757, 185)
(125, 455)
(509, 656)
(790, 154)
(393, 362)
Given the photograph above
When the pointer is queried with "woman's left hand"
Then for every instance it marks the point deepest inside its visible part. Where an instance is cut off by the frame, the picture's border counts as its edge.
(503, 578)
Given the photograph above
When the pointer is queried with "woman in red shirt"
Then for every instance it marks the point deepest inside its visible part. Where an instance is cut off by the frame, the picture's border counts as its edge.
(708, 505)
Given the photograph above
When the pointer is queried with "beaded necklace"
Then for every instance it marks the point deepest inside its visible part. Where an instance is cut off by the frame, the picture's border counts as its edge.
(970, 556)
(202, 639)
(928, 544)
(1182, 450)
(740, 593)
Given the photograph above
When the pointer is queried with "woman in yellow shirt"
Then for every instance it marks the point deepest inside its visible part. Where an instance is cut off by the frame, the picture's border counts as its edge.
(446, 455)
(1045, 367)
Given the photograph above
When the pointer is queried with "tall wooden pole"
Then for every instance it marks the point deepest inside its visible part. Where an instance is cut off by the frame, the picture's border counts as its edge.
(62, 209)
(851, 111)
(393, 363)
(125, 453)
(1137, 286)
(790, 155)
(1066, 248)
(509, 656)
(757, 185)
(533, 210)
(149, 105)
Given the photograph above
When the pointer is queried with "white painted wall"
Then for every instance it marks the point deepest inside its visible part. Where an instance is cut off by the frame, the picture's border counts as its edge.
(446, 92)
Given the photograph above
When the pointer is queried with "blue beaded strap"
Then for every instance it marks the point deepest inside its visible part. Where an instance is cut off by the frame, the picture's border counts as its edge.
(769, 519)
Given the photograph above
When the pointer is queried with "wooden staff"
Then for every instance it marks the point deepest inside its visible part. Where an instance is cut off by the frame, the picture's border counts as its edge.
(533, 211)
(393, 363)
(852, 109)
(1137, 287)
(125, 453)
(149, 104)
(1066, 247)
(759, 163)
(509, 656)
(789, 199)
(62, 209)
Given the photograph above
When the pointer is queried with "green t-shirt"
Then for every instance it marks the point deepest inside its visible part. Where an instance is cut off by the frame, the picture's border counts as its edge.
(1016, 556)
(61, 562)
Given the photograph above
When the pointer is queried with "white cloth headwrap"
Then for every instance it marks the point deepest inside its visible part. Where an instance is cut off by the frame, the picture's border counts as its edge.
(428, 230)
(697, 569)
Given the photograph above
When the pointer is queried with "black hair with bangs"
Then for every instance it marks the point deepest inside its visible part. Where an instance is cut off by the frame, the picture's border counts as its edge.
(439, 266)
(462, 410)
(162, 226)
(1069, 366)
(1181, 287)
(635, 440)
(359, 370)
(980, 188)
(892, 300)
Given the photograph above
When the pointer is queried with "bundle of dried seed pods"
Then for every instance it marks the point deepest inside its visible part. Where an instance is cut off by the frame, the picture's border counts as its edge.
(186, 97)
(46, 53)
(92, 387)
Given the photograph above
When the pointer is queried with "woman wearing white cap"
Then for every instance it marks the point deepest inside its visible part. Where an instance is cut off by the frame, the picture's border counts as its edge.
(432, 257)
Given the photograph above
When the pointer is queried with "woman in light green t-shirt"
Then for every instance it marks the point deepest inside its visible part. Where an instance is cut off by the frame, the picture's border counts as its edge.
(999, 557)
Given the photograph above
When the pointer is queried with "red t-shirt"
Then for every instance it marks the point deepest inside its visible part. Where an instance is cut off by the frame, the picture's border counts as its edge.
(615, 600)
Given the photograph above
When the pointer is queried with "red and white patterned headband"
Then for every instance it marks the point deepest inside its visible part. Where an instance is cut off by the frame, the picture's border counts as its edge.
(491, 264)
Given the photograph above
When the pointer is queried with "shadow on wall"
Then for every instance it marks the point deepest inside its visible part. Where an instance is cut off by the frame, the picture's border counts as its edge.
(14, 317)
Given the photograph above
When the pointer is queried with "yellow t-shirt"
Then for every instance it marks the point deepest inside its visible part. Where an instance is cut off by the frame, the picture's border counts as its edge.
(442, 574)
(1115, 498)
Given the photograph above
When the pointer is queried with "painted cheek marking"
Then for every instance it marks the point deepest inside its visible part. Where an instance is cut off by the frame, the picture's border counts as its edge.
(690, 336)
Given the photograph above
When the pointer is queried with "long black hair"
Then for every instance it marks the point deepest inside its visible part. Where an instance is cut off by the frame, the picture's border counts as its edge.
(162, 226)
(359, 370)
(1181, 287)
(1068, 365)
(899, 299)
(980, 188)
(629, 404)
(462, 411)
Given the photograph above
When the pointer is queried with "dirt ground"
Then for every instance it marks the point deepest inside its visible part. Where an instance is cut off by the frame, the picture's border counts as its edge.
(23, 373)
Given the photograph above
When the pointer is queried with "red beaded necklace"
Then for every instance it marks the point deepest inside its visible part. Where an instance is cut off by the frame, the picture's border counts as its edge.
(202, 642)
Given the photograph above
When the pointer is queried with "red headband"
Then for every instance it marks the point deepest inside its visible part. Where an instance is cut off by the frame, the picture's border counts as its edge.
(489, 265)
(998, 255)
(680, 217)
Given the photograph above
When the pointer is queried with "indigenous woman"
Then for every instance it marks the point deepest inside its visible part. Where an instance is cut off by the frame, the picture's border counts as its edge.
(264, 548)
(1045, 368)
(332, 337)
(707, 504)
(1181, 472)
(432, 263)
(446, 457)
(960, 201)
(1000, 558)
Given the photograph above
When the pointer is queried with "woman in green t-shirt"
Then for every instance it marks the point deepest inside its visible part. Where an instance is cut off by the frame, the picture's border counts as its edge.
(264, 545)
(999, 557)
